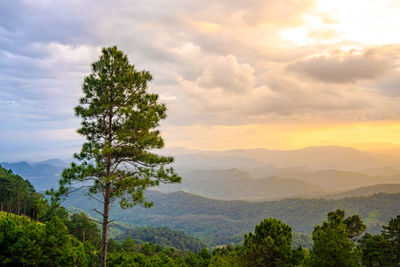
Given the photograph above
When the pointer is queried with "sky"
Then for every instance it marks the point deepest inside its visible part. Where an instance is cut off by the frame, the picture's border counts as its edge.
(277, 74)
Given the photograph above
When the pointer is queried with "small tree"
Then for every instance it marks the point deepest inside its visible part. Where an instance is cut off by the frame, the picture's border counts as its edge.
(332, 241)
(392, 233)
(119, 120)
(376, 251)
(270, 245)
(56, 244)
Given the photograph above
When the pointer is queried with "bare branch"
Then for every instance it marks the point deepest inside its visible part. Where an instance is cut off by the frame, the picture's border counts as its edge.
(95, 198)
(76, 189)
(98, 212)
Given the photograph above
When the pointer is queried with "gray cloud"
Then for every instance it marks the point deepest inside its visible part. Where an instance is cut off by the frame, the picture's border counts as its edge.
(343, 67)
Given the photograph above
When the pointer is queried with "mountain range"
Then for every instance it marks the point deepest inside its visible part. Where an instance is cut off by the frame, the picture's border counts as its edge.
(255, 174)
(231, 184)
(316, 158)
(224, 194)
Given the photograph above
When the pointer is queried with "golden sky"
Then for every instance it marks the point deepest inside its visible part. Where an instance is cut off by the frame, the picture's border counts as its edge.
(298, 73)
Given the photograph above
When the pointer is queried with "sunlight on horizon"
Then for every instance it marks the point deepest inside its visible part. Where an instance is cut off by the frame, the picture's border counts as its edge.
(332, 22)
(364, 136)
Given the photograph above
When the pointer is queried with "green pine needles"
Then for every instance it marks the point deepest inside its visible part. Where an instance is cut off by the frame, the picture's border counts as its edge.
(119, 121)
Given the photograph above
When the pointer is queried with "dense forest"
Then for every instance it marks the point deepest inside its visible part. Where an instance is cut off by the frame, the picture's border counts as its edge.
(164, 237)
(37, 233)
(218, 222)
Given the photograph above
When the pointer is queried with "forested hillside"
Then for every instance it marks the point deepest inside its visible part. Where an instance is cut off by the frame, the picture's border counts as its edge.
(36, 233)
(164, 237)
(29, 243)
(47, 235)
(17, 195)
(220, 222)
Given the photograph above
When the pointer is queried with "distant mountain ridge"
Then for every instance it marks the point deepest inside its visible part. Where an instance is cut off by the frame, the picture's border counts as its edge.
(234, 184)
(43, 175)
(317, 157)
(335, 180)
(367, 191)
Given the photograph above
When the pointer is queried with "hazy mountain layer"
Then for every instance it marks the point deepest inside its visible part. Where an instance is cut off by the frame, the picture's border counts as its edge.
(367, 191)
(340, 180)
(233, 184)
(316, 158)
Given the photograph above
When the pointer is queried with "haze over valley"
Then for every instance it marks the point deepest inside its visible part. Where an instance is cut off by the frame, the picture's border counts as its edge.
(258, 174)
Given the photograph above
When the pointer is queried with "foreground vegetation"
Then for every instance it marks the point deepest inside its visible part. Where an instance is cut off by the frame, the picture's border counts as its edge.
(336, 243)
(49, 236)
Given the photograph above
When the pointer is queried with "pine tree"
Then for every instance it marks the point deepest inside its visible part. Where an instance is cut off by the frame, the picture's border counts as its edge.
(270, 245)
(56, 244)
(376, 251)
(392, 233)
(332, 244)
(119, 121)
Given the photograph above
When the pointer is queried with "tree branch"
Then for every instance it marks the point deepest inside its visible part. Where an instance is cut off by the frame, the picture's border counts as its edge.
(95, 198)
(98, 212)
(76, 189)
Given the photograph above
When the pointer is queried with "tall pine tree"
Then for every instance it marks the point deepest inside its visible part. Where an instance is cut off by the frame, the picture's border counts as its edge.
(119, 121)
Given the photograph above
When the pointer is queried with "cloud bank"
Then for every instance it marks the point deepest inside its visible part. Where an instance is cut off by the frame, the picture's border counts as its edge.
(215, 63)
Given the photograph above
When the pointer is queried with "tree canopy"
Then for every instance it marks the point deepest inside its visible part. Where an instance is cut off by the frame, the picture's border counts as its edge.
(270, 245)
(332, 241)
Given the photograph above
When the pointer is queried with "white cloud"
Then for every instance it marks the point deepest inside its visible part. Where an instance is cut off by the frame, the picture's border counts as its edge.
(226, 73)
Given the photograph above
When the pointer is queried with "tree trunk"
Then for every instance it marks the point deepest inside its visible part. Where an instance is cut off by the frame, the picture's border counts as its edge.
(25, 205)
(105, 226)
(17, 202)
(107, 193)
(9, 205)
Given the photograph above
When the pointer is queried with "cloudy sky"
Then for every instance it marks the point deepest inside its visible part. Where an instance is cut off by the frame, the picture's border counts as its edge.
(277, 74)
